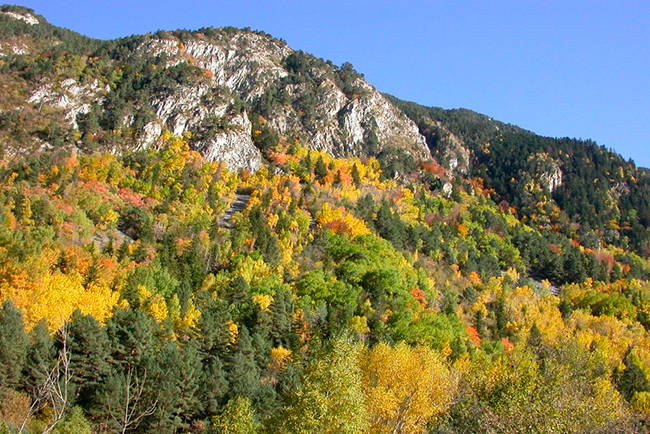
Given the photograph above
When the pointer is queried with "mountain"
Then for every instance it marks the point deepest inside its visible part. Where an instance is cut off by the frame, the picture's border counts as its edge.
(218, 85)
(547, 180)
(208, 232)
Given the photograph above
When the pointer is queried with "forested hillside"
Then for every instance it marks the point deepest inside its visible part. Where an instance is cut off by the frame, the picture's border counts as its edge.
(347, 282)
(335, 299)
(586, 184)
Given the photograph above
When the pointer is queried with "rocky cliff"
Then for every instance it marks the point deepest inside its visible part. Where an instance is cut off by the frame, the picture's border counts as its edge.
(213, 86)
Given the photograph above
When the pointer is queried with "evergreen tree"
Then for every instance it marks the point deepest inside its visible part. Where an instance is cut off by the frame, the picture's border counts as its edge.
(13, 346)
(40, 357)
(89, 348)
(632, 380)
(355, 176)
(214, 340)
(177, 391)
(281, 314)
(574, 266)
(131, 337)
(320, 170)
(213, 386)
(243, 374)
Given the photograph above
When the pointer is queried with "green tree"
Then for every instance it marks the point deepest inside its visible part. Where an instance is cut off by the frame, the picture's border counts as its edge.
(331, 398)
(13, 346)
(320, 170)
(243, 373)
(89, 348)
(237, 417)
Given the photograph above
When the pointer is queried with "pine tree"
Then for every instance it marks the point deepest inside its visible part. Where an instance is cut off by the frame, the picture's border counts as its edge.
(213, 386)
(281, 314)
(131, 338)
(355, 176)
(89, 348)
(40, 357)
(13, 346)
(177, 396)
(214, 340)
(320, 170)
(243, 374)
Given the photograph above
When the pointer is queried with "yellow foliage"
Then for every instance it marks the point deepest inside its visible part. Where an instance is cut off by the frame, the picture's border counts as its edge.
(405, 388)
(190, 319)
(641, 403)
(527, 310)
(58, 295)
(341, 222)
(158, 308)
(233, 330)
(252, 270)
(279, 358)
(286, 249)
(359, 324)
(272, 221)
(263, 301)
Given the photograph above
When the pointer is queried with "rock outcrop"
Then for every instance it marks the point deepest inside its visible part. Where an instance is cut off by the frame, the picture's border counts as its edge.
(231, 73)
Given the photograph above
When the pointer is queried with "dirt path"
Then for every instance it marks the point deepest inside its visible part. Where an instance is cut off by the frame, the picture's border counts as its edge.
(238, 205)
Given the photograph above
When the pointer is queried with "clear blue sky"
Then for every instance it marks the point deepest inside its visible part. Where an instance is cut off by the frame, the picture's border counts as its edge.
(557, 68)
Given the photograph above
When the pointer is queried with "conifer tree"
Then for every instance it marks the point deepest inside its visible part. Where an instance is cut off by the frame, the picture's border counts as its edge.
(355, 176)
(320, 170)
(13, 346)
(243, 374)
(214, 340)
(89, 349)
(40, 357)
(281, 313)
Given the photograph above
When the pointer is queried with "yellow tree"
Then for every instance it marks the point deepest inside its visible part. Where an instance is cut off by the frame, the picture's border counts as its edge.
(405, 388)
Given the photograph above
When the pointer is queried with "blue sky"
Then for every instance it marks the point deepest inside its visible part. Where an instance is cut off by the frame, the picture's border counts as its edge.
(558, 68)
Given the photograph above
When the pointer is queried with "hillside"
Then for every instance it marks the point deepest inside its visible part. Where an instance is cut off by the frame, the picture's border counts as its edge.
(217, 85)
(208, 232)
(553, 182)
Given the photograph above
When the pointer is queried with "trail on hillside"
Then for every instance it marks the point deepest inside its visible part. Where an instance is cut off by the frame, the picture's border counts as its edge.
(238, 205)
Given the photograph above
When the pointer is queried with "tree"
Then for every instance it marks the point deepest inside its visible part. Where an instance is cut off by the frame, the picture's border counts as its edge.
(355, 176)
(243, 374)
(54, 391)
(405, 388)
(41, 357)
(331, 399)
(176, 396)
(126, 400)
(237, 417)
(320, 170)
(281, 314)
(89, 350)
(214, 340)
(13, 346)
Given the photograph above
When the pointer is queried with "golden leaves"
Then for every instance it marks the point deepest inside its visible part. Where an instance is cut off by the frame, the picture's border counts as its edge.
(405, 387)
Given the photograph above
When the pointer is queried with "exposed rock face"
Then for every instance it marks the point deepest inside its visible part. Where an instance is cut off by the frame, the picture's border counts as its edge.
(552, 179)
(454, 156)
(233, 146)
(546, 171)
(70, 96)
(344, 124)
(247, 65)
(232, 70)
(28, 18)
